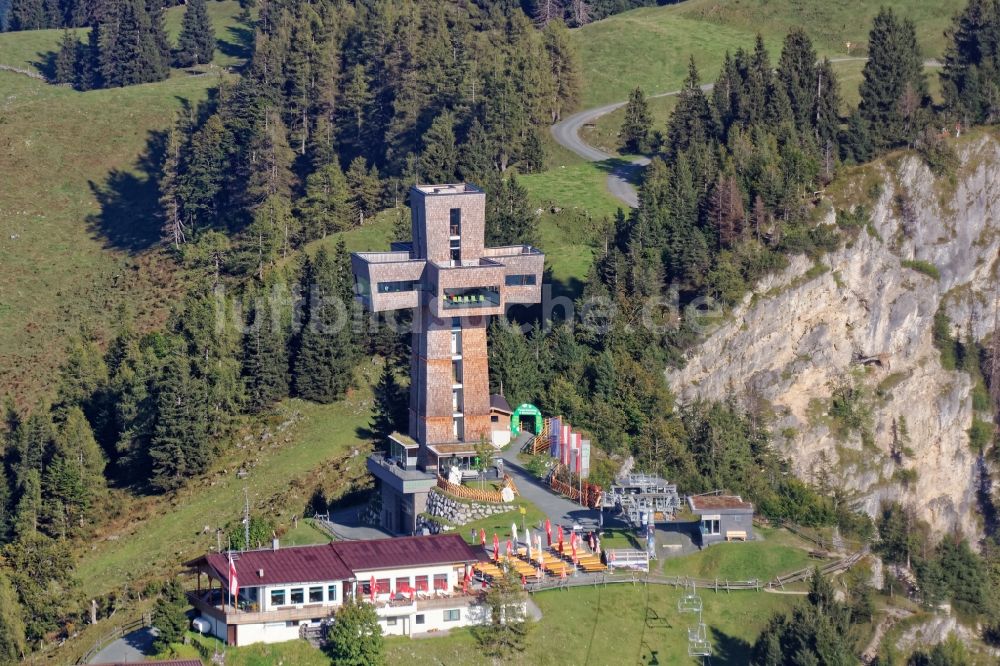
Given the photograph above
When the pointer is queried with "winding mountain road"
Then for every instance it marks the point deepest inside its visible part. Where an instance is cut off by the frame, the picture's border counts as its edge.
(567, 134)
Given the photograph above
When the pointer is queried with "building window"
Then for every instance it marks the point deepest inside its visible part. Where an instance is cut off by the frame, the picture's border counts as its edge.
(396, 286)
(456, 428)
(390, 621)
(316, 595)
(456, 343)
(364, 589)
(296, 595)
(456, 400)
(440, 582)
(277, 597)
(456, 372)
(452, 615)
(455, 222)
(456, 322)
(471, 297)
(494, 418)
(710, 526)
(331, 593)
(419, 619)
(520, 280)
(382, 586)
(403, 584)
(421, 583)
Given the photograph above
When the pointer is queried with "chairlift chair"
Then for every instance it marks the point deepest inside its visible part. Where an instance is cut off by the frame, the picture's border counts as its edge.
(690, 602)
(698, 644)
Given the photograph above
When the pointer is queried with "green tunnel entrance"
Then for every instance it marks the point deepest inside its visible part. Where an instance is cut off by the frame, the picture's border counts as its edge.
(526, 415)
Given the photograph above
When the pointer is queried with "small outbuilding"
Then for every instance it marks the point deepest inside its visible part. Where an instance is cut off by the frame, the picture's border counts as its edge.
(722, 517)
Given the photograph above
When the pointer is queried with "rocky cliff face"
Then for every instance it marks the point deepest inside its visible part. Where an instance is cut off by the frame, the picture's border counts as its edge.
(863, 319)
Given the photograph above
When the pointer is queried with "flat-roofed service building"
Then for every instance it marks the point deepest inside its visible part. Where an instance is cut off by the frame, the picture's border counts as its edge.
(723, 517)
(453, 284)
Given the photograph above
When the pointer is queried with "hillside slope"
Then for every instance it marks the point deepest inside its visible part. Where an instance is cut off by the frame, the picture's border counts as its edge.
(78, 203)
(803, 334)
(650, 47)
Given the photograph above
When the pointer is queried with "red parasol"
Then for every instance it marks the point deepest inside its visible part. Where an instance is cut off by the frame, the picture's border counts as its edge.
(572, 545)
(371, 585)
(560, 540)
(465, 582)
(496, 547)
(548, 532)
(482, 536)
(524, 581)
(510, 549)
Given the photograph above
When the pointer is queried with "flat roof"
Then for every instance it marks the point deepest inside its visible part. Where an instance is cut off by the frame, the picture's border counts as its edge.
(453, 448)
(448, 188)
(718, 502)
(404, 440)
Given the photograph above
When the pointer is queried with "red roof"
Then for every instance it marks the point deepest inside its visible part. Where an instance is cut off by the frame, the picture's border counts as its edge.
(296, 564)
(339, 560)
(718, 502)
(416, 551)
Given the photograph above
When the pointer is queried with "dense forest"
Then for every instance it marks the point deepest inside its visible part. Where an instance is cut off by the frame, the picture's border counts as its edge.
(343, 105)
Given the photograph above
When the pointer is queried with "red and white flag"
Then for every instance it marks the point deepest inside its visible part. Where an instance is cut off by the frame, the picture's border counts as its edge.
(234, 582)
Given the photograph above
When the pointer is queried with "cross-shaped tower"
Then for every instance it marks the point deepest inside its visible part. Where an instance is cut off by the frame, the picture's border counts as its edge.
(453, 283)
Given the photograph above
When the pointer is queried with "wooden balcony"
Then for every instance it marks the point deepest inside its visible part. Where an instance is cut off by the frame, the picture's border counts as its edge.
(230, 615)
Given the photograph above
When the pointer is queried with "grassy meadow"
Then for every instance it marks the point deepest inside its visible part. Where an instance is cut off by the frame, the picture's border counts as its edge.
(650, 47)
(78, 204)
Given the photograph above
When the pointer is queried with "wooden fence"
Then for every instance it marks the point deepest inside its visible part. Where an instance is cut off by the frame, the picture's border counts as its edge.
(591, 492)
(476, 494)
(116, 633)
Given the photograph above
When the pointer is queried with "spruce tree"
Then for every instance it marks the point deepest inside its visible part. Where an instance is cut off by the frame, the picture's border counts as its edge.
(179, 446)
(474, 161)
(894, 87)
(196, 43)
(796, 74)
(637, 124)
(325, 208)
(26, 15)
(12, 643)
(326, 351)
(65, 66)
(389, 412)
(365, 187)
(826, 115)
(510, 219)
(564, 62)
(439, 159)
(691, 121)
(265, 350)
(970, 81)
(129, 46)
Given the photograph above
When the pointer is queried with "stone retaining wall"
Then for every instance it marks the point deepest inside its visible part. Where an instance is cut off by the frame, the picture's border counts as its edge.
(451, 512)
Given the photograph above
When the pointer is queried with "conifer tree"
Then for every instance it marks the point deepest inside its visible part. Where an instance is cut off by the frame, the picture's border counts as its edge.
(894, 88)
(26, 15)
(74, 475)
(12, 643)
(196, 43)
(265, 350)
(510, 219)
(691, 121)
(325, 208)
(65, 66)
(726, 95)
(439, 159)
(326, 351)
(174, 229)
(796, 75)
(364, 187)
(129, 46)
(637, 124)
(475, 162)
(826, 115)
(970, 81)
(270, 162)
(179, 446)
(564, 64)
(390, 409)
(28, 511)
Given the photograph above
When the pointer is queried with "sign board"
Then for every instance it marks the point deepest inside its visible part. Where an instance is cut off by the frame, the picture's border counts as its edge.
(584, 458)
(529, 410)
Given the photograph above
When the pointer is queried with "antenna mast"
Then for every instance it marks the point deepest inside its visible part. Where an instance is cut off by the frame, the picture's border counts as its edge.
(246, 519)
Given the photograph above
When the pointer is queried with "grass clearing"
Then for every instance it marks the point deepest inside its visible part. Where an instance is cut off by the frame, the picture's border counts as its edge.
(613, 624)
(581, 187)
(778, 552)
(650, 47)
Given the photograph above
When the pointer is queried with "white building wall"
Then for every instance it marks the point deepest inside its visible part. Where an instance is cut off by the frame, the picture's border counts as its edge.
(455, 576)
(269, 632)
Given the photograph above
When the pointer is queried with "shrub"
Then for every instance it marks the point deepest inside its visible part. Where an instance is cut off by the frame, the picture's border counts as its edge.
(980, 435)
(921, 266)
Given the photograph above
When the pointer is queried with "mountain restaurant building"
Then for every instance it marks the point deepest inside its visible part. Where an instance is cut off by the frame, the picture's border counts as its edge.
(415, 584)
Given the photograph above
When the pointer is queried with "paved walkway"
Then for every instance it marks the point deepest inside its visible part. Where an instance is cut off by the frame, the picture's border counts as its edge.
(558, 509)
(133, 647)
(345, 526)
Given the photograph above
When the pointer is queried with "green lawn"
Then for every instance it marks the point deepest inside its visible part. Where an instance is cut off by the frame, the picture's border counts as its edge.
(650, 47)
(304, 534)
(778, 552)
(28, 49)
(168, 530)
(613, 625)
(580, 187)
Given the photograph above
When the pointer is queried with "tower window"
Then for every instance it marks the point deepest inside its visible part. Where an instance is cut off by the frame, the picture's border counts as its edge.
(455, 222)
